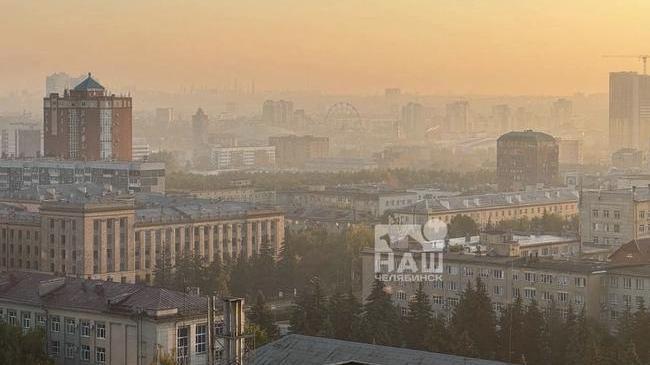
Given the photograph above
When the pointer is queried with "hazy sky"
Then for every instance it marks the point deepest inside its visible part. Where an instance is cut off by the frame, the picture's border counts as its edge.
(425, 46)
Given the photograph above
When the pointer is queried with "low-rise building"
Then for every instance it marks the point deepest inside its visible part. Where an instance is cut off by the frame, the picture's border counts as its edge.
(126, 175)
(242, 157)
(98, 322)
(371, 199)
(87, 232)
(491, 208)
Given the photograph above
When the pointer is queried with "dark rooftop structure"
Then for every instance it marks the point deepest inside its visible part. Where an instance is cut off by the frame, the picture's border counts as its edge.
(306, 350)
(528, 135)
(47, 291)
(89, 84)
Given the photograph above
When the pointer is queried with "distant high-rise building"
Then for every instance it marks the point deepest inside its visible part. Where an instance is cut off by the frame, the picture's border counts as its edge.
(561, 113)
(199, 126)
(294, 151)
(412, 121)
(570, 151)
(502, 118)
(526, 159)
(278, 112)
(164, 116)
(59, 82)
(629, 110)
(87, 124)
(457, 118)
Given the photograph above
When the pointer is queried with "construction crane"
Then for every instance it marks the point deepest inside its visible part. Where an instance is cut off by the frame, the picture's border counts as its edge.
(642, 57)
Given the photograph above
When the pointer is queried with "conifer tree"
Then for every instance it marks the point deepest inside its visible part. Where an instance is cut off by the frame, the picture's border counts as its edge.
(418, 322)
(380, 318)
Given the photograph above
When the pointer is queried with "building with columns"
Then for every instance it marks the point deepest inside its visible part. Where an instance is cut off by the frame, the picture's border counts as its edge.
(84, 231)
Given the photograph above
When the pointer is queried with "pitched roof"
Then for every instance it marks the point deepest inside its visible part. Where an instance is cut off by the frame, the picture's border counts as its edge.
(49, 291)
(307, 350)
(89, 84)
(636, 251)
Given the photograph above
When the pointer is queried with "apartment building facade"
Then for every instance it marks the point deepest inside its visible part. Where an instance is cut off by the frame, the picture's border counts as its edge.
(613, 217)
(122, 238)
(125, 176)
(491, 208)
(97, 322)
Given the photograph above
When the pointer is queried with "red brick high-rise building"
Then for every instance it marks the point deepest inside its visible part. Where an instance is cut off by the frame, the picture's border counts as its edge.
(87, 124)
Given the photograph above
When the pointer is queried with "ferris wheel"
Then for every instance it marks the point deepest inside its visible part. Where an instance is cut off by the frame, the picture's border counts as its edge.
(343, 116)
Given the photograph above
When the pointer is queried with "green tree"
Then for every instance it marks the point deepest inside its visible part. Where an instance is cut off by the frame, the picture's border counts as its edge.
(344, 312)
(461, 226)
(533, 327)
(380, 318)
(261, 316)
(473, 318)
(418, 323)
(510, 336)
(22, 348)
(308, 316)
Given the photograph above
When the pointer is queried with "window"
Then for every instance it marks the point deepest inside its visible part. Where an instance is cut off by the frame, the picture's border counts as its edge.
(11, 317)
(85, 353)
(642, 214)
(498, 274)
(580, 282)
(100, 330)
(547, 278)
(497, 290)
(84, 328)
(201, 337)
(617, 214)
(515, 292)
(437, 299)
(605, 213)
(617, 228)
(452, 302)
(69, 326)
(579, 299)
(182, 343)
(484, 273)
(56, 323)
(594, 213)
(627, 283)
(452, 285)
(55, 348)
(562, 280)
(40, 320)
(27, 319)
(401, 295)
(562, 296)
(529, 293)
(100, 355)
(639, 284)
(469, 271)
(452, 270)
(530, 277)
(546, 296)
(69, 351)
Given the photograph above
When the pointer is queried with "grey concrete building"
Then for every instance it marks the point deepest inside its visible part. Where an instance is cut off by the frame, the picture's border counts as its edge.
(614, 217)
(98, 322)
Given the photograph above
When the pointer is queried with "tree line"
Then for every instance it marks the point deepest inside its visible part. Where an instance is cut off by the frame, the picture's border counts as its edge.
(518, 333)
(335, 258)
(466, 182)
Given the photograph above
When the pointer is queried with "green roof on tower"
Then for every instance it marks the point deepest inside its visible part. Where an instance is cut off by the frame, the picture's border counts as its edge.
(88, 84)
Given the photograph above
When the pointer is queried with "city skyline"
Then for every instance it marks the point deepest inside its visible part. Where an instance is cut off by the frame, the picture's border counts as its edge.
(450, 47)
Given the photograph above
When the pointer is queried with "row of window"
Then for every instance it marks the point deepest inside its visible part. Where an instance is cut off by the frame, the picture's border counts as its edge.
(56, 323)
(71, 351)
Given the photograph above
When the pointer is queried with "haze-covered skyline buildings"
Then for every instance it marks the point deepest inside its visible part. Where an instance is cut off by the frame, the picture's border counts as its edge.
(85, 123)
(629, 111)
